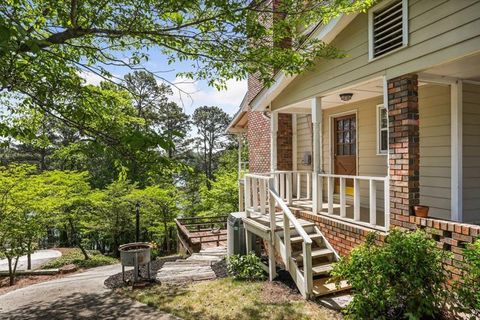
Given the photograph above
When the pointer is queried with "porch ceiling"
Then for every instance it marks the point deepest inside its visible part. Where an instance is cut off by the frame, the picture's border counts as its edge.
(467, 68)
(360, 92)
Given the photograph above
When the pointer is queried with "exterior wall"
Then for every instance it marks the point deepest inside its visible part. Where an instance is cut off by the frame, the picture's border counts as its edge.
(284, 142)
(438, 31)
(471, 153)
(304, 140)
(435, 149)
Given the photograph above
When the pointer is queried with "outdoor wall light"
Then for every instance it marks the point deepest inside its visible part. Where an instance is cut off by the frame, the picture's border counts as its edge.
(346, 96)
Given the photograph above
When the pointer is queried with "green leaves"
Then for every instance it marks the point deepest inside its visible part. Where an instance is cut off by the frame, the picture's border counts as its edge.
(247, 267)
(402, 278)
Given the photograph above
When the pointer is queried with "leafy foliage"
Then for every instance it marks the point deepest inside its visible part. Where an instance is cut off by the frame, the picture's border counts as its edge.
(76, 257)
(246, 267)
(468, 288)
(402, 278)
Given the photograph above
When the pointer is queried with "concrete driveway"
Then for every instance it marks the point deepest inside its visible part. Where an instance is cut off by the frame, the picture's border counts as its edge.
(39, 258)
(77, 296)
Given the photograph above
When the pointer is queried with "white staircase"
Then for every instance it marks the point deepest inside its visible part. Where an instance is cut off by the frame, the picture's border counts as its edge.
(305, 252)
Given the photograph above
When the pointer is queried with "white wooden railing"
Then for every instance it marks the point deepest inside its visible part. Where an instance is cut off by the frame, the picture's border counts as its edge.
(373, 184)
(293, 185)
(261, 197)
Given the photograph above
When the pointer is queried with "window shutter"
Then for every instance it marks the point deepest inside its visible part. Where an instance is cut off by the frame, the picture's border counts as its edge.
(388, 28)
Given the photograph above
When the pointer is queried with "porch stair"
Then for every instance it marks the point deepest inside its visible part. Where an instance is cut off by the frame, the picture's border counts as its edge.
(303, 249)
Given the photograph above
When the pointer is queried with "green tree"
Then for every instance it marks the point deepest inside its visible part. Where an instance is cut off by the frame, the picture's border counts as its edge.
(45, 45)
(159, 208)
(211, 123)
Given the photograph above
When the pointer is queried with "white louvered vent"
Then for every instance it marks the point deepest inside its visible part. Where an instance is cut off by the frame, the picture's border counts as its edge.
(387, 29)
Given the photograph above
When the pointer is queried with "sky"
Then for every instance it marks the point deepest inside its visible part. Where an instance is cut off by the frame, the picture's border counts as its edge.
(199, 93)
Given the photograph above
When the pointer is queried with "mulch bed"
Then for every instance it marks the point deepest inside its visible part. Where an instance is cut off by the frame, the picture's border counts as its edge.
(116, 281)
(220, 268)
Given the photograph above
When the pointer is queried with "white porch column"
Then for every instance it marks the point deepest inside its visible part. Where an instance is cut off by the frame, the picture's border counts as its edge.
(456, 107)
(273, 141)
(317, 153)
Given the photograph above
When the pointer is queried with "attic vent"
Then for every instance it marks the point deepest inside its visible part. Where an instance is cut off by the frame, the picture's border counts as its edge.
(388, 28)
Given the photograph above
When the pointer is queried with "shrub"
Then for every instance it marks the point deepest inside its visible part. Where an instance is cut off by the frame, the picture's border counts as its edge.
(400, 278)
(247, 267)
(76, 257)
(468, 288)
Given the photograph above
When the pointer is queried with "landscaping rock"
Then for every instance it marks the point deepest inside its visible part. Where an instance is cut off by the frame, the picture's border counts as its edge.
(116, 281)
(220, 268)
(69, 268)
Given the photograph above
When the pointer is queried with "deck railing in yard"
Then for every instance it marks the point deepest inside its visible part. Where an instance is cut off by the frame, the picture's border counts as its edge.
(195, 232)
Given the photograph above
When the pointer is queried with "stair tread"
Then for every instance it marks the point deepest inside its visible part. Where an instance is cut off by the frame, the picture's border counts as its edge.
(319, 252)
(299, 238)
(322, 268)
(322, 287)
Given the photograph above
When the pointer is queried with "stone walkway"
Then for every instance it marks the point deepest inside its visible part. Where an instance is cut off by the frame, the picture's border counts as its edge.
(197, 267)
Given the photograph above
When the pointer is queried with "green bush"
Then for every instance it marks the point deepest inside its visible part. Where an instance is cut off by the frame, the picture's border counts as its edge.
(76, 257)
(468, 288)
(400, 278)
(247, 267)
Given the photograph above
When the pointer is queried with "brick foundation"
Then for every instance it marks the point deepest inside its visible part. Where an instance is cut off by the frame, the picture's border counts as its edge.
(450, 236)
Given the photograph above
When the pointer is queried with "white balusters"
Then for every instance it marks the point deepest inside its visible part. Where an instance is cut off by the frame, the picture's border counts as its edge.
(330, 194)
(373, 202)
(356, 199)
(343, 202)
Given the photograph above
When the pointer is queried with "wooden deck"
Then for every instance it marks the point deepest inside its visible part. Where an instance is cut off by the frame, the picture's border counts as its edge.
(199, 233)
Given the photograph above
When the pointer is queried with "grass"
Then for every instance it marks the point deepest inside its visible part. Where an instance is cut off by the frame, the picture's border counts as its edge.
(230, 299)
(75, 256)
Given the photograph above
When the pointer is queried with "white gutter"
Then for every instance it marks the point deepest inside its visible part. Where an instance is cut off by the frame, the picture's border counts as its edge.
(263, 99)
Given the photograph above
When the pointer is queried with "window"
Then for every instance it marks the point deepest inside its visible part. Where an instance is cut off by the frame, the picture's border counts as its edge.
(387, 27)
(382, 130)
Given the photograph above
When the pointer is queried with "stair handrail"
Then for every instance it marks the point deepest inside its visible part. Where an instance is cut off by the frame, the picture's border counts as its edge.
(288, 217)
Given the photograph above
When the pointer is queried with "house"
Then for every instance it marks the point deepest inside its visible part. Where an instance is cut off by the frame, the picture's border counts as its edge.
(353, 145)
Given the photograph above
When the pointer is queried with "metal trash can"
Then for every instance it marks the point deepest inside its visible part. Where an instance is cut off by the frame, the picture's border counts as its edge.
(236, 234)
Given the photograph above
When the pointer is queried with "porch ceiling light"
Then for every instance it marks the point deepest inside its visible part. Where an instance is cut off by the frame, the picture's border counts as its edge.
(346, 96)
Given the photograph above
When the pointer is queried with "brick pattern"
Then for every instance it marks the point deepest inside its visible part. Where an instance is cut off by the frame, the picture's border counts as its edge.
(450, 236)
(258, 136)
(404, 147)
(285, 142)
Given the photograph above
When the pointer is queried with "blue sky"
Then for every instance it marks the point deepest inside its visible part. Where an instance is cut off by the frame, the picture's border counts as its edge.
(199, 93)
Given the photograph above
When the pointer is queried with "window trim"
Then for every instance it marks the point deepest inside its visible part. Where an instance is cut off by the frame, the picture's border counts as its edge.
(376, 8)
(379, 131)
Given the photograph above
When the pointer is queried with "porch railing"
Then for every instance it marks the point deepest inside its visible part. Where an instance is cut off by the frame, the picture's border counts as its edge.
(293, 185)
(373, 185)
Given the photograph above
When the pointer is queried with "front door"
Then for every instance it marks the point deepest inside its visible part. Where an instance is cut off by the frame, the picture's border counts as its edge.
(345, 149)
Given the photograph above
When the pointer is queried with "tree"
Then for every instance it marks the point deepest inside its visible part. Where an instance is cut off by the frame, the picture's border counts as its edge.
(67, 195)
(21, 224)
(211, 123)
(45, 45)
(159, 208)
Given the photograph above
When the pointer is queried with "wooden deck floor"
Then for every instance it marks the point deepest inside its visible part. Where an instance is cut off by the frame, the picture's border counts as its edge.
(364, 212)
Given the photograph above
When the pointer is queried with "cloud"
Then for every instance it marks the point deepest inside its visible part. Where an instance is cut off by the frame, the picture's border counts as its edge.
(190, 95)
(91, 77)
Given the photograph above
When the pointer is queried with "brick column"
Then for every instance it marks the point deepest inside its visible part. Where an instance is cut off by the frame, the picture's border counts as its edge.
(284, 142)
(404, 148)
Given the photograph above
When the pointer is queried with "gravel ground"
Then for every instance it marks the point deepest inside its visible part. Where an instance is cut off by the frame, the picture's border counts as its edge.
(220, 268)
(116, 281)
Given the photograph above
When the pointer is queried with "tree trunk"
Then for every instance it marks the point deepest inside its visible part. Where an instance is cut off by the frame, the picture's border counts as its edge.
(76, 241)
(29, 257)
(12, 270)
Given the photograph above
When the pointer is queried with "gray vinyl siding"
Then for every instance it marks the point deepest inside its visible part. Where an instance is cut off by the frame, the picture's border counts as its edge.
(435, 149)
(471, 153)
(439, 31)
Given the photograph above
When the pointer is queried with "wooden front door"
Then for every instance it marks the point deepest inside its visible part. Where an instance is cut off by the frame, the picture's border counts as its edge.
(345, 149)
